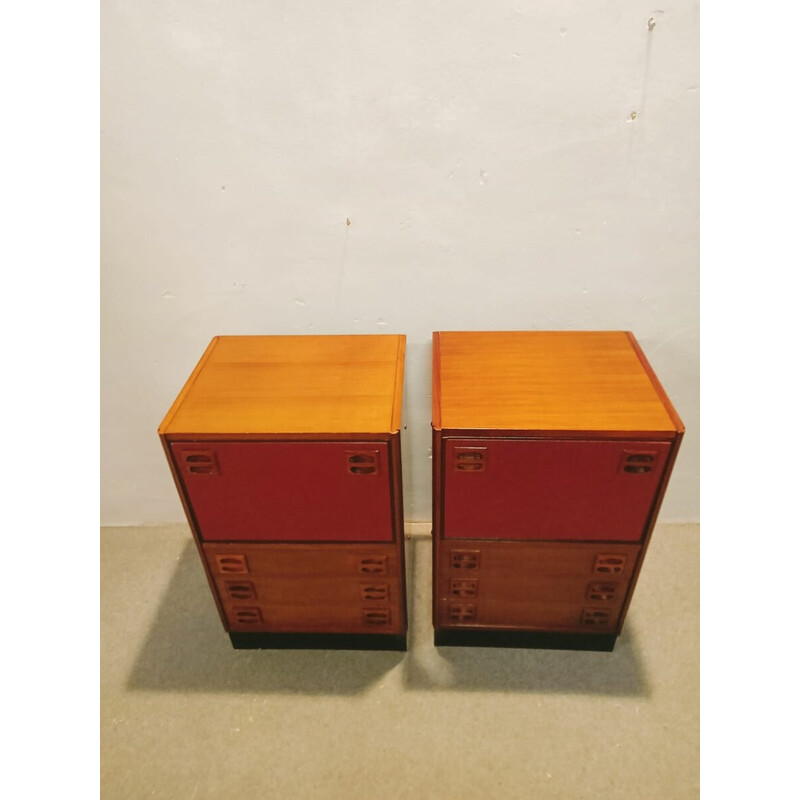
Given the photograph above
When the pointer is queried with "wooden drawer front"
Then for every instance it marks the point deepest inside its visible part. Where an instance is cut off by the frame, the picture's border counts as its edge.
(346, 590)
(569, 587)
(499, 560)
(517, 588)
(316, 618)
(550, 490)
(288, 491)
(304, 561)
(314, 589)
(565, 617)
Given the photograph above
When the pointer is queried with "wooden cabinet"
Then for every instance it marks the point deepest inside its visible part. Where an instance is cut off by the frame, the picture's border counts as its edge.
(286, 454)
(551, 454)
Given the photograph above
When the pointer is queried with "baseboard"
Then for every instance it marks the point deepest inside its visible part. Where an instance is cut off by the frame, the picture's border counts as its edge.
(543, 640)
(318, 641)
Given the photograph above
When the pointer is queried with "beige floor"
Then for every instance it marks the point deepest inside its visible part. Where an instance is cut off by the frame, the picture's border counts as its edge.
(183, 715)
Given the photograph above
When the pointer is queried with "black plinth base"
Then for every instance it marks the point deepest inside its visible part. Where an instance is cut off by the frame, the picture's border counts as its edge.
(543, 640)
(318, 641)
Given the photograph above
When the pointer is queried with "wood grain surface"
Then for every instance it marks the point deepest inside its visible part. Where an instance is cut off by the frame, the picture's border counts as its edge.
(327, 588)
(533, 586)
(547, 381)
(293, 384)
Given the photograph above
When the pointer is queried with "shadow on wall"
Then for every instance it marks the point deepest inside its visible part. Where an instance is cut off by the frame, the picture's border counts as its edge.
(187, 650)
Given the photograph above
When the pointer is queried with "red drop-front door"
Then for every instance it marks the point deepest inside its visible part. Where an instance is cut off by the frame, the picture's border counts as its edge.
(550, 489)
(288, 491)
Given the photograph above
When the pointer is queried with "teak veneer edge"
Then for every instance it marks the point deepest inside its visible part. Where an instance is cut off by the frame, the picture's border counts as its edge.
(173, 409)
(673, 414)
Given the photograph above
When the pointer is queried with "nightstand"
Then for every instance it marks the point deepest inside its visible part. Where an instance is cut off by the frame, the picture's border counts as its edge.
(551, 455)
(285, 451)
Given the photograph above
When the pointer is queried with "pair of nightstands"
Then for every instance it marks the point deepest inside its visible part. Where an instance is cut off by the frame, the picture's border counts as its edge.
(551, 454)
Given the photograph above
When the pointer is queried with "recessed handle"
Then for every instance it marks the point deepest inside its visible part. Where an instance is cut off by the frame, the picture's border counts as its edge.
(362, 462)
(247, 616)
(601, 591)
(462, 612)
(465, 559)
(240, 590)
(638, 462)
(374, 565)
(200, 462)
(470, 459)
(231, 563)
(609, 563)
(463, 588)
(375, 591)
(599, 617)
(378, 616)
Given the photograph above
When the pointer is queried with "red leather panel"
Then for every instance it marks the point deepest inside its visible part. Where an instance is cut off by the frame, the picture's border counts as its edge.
(550, 489)
(288, 491)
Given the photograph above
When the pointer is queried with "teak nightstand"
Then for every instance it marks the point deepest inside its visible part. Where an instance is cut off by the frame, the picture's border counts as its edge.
(551, 455)
(286, 454)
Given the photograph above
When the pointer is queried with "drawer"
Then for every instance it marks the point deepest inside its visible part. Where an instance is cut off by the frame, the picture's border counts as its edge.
(317, 618)
(566, 617)
(504, 562)
(277, 561)
(524, 589)
(307, 591)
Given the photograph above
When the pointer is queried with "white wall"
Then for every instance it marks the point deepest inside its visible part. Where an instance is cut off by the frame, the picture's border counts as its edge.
(486, 158)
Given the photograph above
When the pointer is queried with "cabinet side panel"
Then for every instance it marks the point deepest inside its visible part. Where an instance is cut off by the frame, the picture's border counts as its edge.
(398, 518)
(651, 524)
(436, 510)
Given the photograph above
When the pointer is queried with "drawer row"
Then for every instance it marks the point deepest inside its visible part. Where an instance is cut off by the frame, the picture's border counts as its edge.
(550, 587)
(306, 588)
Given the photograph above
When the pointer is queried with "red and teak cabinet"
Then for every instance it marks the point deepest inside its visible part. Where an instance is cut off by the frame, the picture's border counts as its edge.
(286, 454)
(551, 454)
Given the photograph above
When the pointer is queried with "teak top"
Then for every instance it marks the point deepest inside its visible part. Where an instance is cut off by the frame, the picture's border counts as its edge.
(291, 385)
(595, 381)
